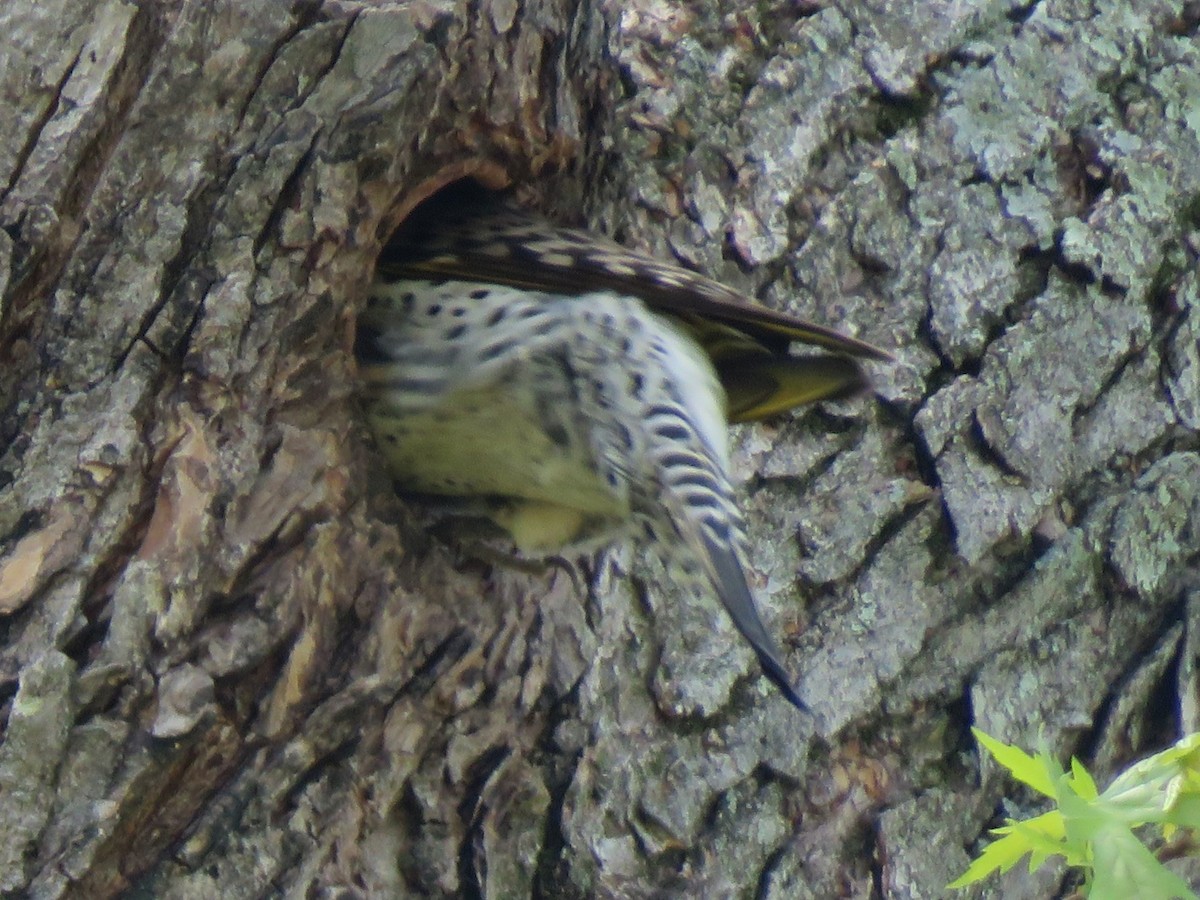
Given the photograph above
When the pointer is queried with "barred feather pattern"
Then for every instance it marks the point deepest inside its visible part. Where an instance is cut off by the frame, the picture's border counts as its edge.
(575, 417)
(505, 245)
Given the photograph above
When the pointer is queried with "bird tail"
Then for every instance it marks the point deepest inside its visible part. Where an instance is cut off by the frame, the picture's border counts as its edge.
(729, 579)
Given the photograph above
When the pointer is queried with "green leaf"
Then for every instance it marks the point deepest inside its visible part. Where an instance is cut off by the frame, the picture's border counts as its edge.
(1045, 837)
(998, 856)
(1083, 819)
(1125, 870)
(1179, 760)
(1047, 826)
(1027, 769)
(1082, 782)
(1184, 812)
(1092, 830)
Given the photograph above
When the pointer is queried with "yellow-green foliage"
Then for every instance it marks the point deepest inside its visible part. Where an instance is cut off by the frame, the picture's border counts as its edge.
(1093, 829)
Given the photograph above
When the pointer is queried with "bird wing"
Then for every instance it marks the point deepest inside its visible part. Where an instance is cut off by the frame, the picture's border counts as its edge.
(485, 240)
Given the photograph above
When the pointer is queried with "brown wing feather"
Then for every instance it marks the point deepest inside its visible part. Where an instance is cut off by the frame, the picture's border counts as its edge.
(483, 241)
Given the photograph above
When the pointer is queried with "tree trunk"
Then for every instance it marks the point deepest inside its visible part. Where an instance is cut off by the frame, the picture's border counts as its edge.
(234, 664)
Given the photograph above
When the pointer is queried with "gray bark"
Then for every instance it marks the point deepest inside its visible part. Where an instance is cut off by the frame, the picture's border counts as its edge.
(233, 664)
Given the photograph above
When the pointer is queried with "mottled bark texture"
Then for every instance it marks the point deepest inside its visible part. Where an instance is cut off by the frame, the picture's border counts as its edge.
(233, 664)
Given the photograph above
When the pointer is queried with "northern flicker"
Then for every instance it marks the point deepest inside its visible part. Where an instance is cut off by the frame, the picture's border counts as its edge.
(580, 391)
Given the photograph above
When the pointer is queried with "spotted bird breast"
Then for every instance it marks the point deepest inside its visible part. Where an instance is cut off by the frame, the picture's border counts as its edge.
(530, 396)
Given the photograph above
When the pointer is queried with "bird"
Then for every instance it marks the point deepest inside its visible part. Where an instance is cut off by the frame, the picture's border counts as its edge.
(577, 392)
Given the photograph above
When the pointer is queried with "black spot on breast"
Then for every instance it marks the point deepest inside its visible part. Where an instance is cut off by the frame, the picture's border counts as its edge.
(544, 327)
(495, 351)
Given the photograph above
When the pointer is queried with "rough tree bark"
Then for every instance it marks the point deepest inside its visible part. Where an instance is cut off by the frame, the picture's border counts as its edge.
(233, 664)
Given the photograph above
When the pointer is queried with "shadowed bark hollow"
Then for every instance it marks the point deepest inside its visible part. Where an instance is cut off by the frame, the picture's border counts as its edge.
(232, 663)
